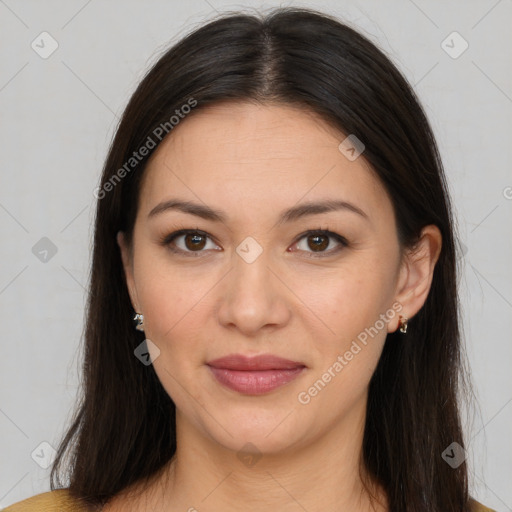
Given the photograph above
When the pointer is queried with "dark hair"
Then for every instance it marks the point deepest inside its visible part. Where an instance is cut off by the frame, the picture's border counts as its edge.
(124, 428)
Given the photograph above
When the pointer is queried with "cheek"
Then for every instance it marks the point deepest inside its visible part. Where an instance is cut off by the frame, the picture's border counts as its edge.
(171, 301)
(346, 332)
(345, 301)
(347, 350)
(168, 301)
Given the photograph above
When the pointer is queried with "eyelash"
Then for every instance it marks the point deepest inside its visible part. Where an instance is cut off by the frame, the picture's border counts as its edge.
(168, 239)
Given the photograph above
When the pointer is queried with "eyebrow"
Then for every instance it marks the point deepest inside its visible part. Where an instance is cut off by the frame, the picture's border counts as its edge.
(292, 214)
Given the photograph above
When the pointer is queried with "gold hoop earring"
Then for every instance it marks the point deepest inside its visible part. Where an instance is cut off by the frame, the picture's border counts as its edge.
(139, 318)
(403, 324)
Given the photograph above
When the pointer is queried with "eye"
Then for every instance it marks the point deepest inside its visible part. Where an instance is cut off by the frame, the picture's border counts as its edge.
(189, 242)
(315, 243)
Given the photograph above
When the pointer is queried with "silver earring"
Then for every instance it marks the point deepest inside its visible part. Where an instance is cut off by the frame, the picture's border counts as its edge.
(139, 318)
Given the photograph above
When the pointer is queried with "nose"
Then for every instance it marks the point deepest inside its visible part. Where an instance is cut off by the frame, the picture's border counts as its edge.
(253, 297)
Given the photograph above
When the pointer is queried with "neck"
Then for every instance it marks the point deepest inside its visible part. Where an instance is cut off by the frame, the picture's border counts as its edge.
(323, 475)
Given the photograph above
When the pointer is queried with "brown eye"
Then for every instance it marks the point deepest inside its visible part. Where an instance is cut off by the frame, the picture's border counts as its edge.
(194, 241)
(318, 242)
(189, 242)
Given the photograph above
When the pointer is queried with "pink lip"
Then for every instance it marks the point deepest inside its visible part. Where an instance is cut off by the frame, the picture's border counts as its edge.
(254, 375)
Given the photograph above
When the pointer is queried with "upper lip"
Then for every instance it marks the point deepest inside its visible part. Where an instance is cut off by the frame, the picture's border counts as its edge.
(260, 362)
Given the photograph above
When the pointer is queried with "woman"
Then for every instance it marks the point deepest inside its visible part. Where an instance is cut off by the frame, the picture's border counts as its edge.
(273, 214)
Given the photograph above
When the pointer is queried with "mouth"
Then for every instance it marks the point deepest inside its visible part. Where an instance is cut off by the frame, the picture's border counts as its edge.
(254, 375)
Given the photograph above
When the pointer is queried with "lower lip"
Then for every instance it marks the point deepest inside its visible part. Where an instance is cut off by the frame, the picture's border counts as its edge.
(252, 382)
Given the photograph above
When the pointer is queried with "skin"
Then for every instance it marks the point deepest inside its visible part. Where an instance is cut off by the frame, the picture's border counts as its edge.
(252, 162)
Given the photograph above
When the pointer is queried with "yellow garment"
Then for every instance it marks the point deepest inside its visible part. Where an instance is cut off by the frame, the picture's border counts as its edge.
(60, 501)
(52, 501)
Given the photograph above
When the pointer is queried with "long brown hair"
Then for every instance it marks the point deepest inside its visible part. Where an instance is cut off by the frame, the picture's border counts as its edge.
(123, 430)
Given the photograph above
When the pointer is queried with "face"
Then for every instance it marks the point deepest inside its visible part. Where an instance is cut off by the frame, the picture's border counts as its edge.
(318, 287)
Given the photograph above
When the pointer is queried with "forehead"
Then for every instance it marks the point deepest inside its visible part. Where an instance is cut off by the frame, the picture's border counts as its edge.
(246, 154)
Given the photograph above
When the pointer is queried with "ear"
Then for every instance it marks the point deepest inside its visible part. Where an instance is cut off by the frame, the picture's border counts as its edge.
(416, 273)
(126, 256)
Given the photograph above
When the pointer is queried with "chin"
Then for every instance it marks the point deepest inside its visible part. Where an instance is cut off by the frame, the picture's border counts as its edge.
(258, 431)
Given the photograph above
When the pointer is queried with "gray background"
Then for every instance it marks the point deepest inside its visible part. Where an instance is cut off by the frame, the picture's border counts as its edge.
(58, 115)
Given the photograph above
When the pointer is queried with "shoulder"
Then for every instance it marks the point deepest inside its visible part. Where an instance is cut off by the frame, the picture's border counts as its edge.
(59, 500)
(478, 507)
